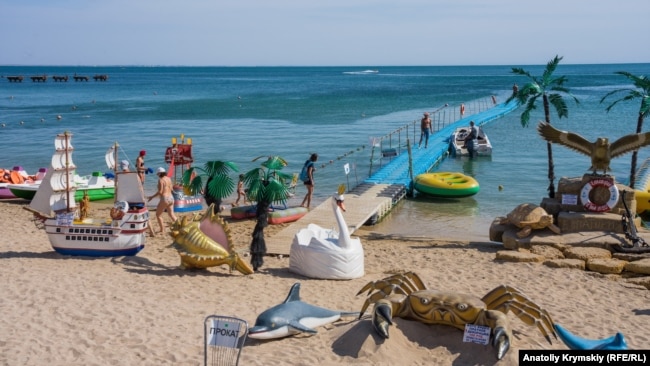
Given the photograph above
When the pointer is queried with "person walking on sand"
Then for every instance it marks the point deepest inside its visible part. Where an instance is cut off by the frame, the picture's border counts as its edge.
(425, 127)
(166, 201)
(139, 165)
(241, 192)
(307, 176)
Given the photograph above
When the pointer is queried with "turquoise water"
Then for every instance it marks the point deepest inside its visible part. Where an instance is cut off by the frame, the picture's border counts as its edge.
(238, 114)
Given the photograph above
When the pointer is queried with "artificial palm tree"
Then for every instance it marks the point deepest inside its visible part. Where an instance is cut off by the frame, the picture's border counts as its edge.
(266, 185)
(218, 183)
(641, 91)
(551, 90)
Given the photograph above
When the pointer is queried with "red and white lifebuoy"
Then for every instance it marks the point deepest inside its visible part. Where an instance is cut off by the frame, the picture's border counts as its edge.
(586, 190)
(462, 109)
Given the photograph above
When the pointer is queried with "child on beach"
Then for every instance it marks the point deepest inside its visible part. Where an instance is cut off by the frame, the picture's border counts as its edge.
(241, 193)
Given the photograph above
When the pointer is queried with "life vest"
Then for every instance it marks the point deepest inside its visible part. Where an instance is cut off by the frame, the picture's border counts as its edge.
(17, 178)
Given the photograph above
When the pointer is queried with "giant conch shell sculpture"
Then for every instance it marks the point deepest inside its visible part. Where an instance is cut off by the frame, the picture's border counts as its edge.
(204, 241)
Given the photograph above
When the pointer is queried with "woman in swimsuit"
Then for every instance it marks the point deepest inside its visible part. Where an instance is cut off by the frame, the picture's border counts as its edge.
(166, 201)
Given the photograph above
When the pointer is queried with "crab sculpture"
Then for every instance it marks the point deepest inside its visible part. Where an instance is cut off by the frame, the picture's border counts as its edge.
(204, 241)
(405, 296)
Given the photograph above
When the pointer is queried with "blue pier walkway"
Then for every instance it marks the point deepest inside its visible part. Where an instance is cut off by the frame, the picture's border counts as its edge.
(375, 197)
(397, 170)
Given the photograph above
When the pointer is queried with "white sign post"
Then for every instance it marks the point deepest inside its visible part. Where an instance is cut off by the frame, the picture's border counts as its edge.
(477, 334)
(223, 333)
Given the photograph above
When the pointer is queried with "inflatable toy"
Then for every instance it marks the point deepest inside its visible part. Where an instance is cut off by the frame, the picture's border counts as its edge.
(614, 343)
(293, 316)
(204, 241)
(323, 253)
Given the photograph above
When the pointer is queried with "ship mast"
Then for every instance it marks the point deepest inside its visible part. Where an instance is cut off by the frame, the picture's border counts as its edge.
(115, 156)
(67, 170)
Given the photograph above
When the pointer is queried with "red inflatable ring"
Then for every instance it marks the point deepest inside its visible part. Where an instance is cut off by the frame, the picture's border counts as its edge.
(613, 195)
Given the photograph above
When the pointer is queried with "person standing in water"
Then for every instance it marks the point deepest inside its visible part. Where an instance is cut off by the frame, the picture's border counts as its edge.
(139, 165)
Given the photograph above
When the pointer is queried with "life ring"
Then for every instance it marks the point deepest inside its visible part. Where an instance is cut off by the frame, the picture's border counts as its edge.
(118, 211)
(462, 109)
(586, 190)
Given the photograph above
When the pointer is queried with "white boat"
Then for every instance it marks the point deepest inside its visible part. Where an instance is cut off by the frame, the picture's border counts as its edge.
(69, 229)
(364, 72)
(458, 142)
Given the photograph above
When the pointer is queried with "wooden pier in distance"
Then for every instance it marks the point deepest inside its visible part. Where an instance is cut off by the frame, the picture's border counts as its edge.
(15, 79)
(365, 202)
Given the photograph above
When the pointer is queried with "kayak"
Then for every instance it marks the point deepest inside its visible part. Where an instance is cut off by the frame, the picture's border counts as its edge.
(276, 215)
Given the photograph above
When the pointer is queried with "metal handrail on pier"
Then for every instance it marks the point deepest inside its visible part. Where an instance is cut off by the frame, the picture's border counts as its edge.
(393, 143)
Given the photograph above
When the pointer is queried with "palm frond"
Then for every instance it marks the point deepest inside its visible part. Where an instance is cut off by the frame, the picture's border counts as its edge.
(525, 118)
(531, 105)
(220, 186)
(550, 69)
(520, 71)
(284, 176)
(276, 191)
(218, 167)
(267, 183)
(275, 163)
(641, 82)
(196, 185)
(558, 82)
(559, 104)
(188, 175)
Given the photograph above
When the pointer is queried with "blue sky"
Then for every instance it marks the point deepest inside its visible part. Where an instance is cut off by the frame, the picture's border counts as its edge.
(324, 32)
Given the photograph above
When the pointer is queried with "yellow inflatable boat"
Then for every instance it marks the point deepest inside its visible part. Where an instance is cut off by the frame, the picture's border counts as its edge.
(446, 184)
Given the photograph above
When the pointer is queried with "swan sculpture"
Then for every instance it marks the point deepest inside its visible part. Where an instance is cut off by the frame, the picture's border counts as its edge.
(325, 253)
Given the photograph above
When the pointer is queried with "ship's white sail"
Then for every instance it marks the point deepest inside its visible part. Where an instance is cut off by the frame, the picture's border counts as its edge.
(41, 201)
(111, 153)
(128, 187)
(57, 189)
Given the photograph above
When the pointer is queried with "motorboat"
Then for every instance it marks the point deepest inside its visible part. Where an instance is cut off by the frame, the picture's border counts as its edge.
(458, 145)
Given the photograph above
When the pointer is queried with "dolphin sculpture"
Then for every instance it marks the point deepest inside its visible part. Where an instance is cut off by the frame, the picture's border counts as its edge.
(614, 343)
(293, 316)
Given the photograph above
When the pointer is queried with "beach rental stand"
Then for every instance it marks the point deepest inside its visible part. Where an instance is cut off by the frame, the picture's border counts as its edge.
(224, 338)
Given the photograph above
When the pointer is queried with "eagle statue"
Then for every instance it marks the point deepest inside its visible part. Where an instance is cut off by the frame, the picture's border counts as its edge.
(600, 151)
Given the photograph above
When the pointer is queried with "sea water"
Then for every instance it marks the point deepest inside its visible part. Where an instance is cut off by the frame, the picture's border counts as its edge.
(239, 114)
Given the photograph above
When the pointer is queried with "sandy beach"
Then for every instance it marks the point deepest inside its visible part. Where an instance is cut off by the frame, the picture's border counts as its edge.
(145, 310)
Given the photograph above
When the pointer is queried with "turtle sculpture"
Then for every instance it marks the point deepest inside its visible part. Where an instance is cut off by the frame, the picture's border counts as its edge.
(529, 216)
